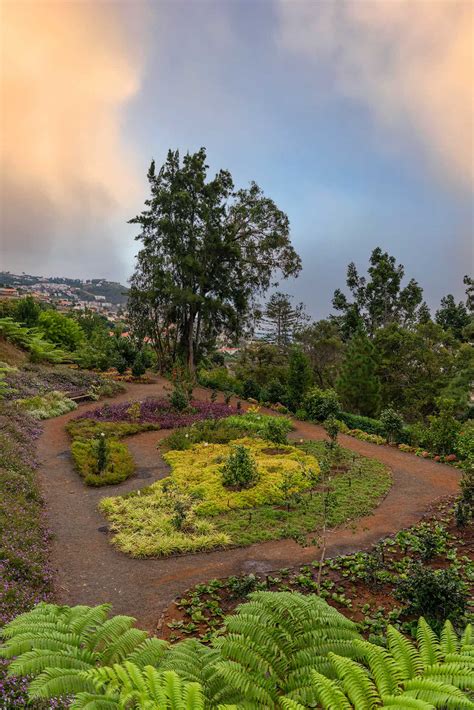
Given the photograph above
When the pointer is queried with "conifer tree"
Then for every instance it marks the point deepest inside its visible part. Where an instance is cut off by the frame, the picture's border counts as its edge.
(299, 377)
(359, 384)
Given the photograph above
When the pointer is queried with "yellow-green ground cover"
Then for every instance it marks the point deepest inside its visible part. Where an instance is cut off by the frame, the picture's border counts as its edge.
(191, 510)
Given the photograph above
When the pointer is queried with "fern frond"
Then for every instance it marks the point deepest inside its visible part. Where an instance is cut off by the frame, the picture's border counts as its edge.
(356, 683)
(441, 695)
(329, 693)
(149, 653)
(402, 702)
(467, 639)
(126, 644)
(89, 701)
(428, 645)
(404, 653)
(449, 642)
(34, 662)
(384, 669)
(56, 682)
(462, 676)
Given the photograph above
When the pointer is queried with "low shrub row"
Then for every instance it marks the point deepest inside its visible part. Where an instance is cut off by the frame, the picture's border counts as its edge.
(102, 462)
(45, 406)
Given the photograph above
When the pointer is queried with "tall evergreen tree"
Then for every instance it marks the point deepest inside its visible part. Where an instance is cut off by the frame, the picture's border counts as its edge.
(358, 385)
(208, 250)
(299, 377)
(452, 316)
(280, 319)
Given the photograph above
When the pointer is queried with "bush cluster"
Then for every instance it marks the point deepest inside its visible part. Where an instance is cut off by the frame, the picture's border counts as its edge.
(99, 468)
(239, 470)
(45, 406)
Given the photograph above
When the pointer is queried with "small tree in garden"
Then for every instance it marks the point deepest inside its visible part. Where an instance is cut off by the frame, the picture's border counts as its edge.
(102, 453)
(392, 423)
(321, 404)
(179, 399)
(289, 487)
(240, 470)
(331, 427)
(299, 377)
(139, 364)
(359, 385)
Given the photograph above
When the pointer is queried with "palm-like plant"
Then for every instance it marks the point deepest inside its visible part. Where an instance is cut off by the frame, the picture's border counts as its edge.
(280, 650)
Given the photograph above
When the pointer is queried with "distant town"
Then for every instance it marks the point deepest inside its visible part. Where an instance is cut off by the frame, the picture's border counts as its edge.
(109, 298)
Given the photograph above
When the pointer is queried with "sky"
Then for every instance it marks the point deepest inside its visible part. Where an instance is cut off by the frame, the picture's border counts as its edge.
(355, 116)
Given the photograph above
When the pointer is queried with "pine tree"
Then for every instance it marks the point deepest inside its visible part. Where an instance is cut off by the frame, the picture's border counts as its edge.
(359, 385)
(281, 319)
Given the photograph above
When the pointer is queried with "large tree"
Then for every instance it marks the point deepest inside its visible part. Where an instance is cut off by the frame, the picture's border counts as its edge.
(281, 319)
(324, 347)
(208, 250)
(379, 299)
(359, 385)
(453, 316)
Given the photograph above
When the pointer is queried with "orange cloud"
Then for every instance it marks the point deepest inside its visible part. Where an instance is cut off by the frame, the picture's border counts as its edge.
(409, 61)
(68, 71)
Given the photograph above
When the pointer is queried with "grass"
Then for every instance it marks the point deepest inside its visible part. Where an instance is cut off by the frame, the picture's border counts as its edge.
(183, 513)
(90, 429)
(351, 496)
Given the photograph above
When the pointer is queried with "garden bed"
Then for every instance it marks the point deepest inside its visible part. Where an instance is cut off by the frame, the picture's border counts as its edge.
(192, 510)
(363, 585)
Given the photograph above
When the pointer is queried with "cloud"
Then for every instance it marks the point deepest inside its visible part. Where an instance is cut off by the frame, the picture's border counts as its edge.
(409, 61)
(68, 71)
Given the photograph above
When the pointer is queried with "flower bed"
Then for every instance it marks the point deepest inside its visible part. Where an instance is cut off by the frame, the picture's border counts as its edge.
(118, 468)
(25, 576)
(33, 380)
(159, 412)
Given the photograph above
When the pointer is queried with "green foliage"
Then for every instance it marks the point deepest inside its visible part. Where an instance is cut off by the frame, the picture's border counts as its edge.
(102, 461)
(367, 424)
(45, 406)
(392, 422)
(276, 429)
(86, 429)
(280, 319)
(322, 343)
(200, 273)
(139, 364)
(379, 300)
(218, 378)
(359, 385)
(453, 316)
(27, 311)
(465, 443)
(331, 427)
(437, 594)
(299, 377)
(179, 399)
(441, 434)
(279, 650)
(320, 404)
(250, 389)
(60, 330)
(240, 469)
(32, 340)
(262, 362)
(274, 392)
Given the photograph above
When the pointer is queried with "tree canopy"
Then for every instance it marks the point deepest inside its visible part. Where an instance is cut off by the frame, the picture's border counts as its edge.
(207, 250)
(379, 299)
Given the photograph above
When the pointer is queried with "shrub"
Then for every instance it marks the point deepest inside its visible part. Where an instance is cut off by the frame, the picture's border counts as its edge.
(240, 470)
(49, 405)
(331, 427)
(392, 423)
(274, 392)
(464, 446)
(89, 457)
(320, 404)
(139, 364)
(367, 424)
(178, 399)
(250, 389)
(60, 329)
(276, 430)
(299, 377)
(219, 378)
(437, 594)
(363, 436)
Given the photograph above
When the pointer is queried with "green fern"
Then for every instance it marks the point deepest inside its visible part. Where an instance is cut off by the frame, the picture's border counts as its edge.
(280, 650)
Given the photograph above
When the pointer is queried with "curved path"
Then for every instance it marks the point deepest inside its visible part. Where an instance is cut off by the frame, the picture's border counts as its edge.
(91, 571)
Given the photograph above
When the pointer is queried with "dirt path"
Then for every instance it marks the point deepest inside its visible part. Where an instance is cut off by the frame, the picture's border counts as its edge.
(91, 571)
